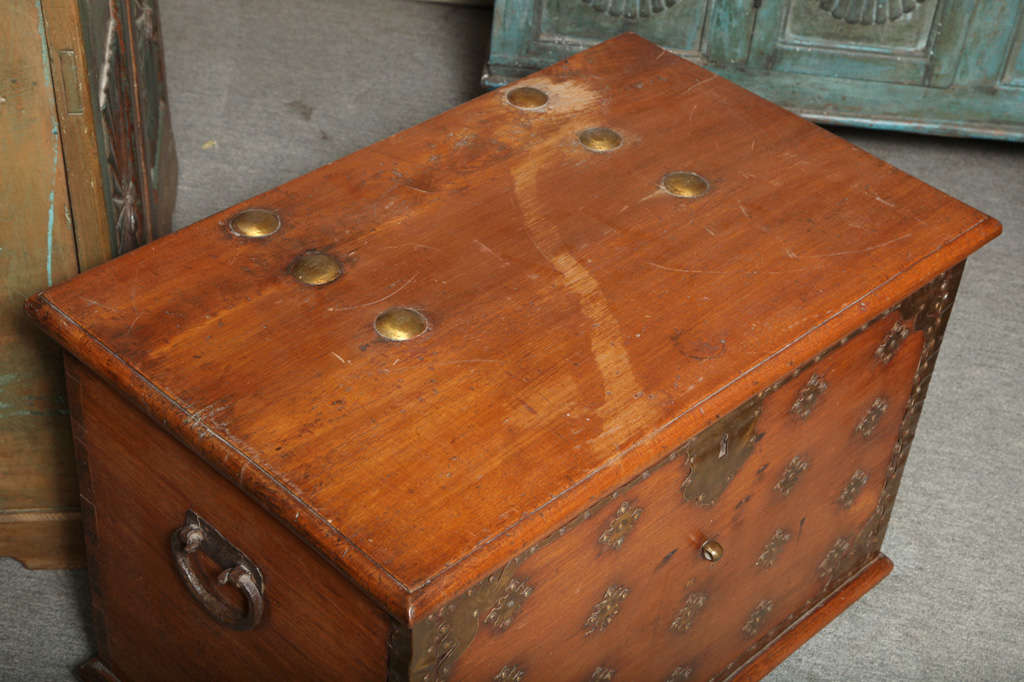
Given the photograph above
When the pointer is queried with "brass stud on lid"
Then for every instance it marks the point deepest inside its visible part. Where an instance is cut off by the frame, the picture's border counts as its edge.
(684, 184)
(400, 324)
(255, 223)
(527, 98)
(600, 139)
(316, 269)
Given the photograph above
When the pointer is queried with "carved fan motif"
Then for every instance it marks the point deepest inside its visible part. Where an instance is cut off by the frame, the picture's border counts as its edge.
(869, 11)
(630, 9)
(120, 154)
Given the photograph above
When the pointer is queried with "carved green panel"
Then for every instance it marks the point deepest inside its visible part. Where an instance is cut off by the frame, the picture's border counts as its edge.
(811, 39)
(677, 24)
(933, 66)
(1013, 74)
(810, 22)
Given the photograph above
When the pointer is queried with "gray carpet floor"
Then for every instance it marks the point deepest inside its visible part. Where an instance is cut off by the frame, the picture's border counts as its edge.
(263, 91)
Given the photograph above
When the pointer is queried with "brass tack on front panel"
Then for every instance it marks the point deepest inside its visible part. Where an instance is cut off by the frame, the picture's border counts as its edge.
(684, 184)
(316, 269)
(600, 139)
(400, 324)
(255, 223)
(711, 550)
(527, 98)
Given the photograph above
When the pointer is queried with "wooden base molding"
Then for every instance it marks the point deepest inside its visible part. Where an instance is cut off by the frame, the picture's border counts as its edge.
(760, 665)
(44, 539)
(93, 670)
(808, 626)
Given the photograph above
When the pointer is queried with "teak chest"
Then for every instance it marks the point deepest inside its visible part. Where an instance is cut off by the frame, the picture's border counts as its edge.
(608, 375)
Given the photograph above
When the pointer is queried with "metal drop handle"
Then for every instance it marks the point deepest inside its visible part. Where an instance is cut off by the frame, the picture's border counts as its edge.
(197, 535)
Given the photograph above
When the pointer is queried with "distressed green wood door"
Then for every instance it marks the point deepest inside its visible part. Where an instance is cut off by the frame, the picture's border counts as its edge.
(919, 65)
(934, 66)
(530, 35)
(89, 173)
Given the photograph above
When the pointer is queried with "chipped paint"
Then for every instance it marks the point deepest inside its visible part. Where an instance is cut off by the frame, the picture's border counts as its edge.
(56, 148)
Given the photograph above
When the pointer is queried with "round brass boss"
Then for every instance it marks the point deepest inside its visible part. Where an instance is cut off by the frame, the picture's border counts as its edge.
(316, 269)
(711, 550)
(600, 139)
(527, 98)
(255, 223)
(400, 324)
(684, 184)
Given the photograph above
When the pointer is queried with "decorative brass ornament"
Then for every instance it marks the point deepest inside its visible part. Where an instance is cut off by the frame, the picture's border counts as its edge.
(400, 324)
(602, 674)
(692, 606)
(605, 610)
(527, 98)
(887, 349)
(439, 639)
(869, 12)
(316, 269)
(684, 184)
(808, 396)
(772, 548)
(833, 561)
(621, 525)
(852, 489)
(866, 427)
(927, 311)
(510, 673)
(507, 606)
(718, 452)
(711, 551)
(255, 223)
(757, 617)
(600, 139)
(680, 674)
(791, 475)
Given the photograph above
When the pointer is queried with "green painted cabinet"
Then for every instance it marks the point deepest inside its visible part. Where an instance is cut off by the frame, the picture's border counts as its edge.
(932, 66)
(88, 172)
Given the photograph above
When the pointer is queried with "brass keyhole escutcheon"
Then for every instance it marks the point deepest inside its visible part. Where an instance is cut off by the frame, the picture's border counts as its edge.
(600, 139)
(684, 184)
(255, 223)
(400, 324)
(711, 550)
(527, 98)
(316, 269)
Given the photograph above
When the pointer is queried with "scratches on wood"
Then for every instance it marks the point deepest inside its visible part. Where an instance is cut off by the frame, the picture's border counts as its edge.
(622, 409)
(379, 300)
(873, 247)
(487, 249)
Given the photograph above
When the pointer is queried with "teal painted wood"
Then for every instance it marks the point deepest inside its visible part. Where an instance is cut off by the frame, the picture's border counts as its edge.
(940, 67)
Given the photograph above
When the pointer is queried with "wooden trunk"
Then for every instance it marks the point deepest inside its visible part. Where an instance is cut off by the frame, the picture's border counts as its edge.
(556, 385)
(88, 172)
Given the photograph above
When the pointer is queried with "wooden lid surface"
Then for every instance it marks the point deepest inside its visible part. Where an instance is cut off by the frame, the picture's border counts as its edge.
(582, 320)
